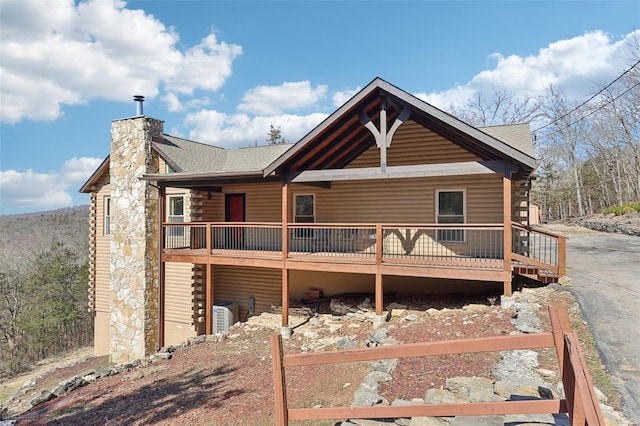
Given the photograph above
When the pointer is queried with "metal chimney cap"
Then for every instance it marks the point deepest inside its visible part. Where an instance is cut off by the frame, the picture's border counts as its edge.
(139, 100)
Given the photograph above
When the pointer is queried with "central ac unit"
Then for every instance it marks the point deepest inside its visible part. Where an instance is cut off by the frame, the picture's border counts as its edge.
(225, 314)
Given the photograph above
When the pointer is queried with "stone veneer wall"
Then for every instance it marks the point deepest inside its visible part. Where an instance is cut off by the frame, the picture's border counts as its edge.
(134, 240)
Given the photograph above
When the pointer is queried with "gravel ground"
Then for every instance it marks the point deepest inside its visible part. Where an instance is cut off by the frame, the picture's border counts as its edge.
(230, 382)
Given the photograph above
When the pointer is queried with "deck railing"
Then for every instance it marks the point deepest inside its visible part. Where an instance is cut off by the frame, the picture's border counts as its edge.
(344, 240)
(461, 245)
(456, 245)
(478, 245)
(539, 248)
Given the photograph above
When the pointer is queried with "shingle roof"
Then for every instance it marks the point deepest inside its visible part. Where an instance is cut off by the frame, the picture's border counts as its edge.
(515, 135)
(186, 156)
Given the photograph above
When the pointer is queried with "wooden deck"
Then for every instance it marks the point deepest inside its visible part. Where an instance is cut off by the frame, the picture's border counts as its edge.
(473, 252)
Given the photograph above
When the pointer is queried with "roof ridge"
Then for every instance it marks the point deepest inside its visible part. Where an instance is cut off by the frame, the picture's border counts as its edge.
(192, 141)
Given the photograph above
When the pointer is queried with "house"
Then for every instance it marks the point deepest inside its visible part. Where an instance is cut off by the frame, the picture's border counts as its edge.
(387, 194)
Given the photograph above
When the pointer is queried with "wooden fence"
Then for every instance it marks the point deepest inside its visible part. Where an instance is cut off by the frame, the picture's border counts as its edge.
(580, 400)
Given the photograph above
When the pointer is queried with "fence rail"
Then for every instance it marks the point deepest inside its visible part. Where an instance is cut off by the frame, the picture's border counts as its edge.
(580, 403)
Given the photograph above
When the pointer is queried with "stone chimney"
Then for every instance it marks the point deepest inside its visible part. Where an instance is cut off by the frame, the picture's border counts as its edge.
(134, 240)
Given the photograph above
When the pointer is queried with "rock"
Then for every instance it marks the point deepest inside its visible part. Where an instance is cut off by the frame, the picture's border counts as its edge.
(478, 421)
(506, 302)
(196, 340)
(374, 378)
(90, 378)
(345, 343)
(527, 321)
(565, 281)
(432, 312)
(365, 304)
(379, 320)
(44, 397)
(372, 422)
(442, 396)
(377, 336)
(411, 317)
(507, 388)
(161, 355)
(518, 364)
(315, 322)
(59, 390)
(396, 309)
(602, 398)
(384, 365)
(547, 374)
(484, 395)
(464, 385)
(339, 308)
(366, 398)
(536, 419)
(309, 334)
(430, 421)
(406, 402)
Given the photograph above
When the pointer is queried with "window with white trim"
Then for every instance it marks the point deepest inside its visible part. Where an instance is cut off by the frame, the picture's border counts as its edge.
(451, 209)
(304, 212)
(175, 214)
(107, 215)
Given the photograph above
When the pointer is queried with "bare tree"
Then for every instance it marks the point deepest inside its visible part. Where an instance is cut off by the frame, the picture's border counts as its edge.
(564, 138)
(502, 107)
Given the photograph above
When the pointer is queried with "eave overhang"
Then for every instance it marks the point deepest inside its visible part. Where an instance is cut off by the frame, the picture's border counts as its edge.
(91, 183)
(203, 180)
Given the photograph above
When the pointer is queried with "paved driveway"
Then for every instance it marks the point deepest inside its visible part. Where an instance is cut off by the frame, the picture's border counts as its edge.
(605, 269)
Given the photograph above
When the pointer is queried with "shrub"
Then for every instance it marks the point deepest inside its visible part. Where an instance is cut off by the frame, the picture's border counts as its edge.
(622, 210)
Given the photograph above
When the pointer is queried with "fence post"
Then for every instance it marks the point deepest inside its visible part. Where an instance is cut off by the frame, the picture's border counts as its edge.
(279, 385)
(584, 394)
(562, 256)
(571, 390)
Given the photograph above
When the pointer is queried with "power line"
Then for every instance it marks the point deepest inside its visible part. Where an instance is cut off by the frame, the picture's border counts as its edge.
(588, 100)
(595, 110)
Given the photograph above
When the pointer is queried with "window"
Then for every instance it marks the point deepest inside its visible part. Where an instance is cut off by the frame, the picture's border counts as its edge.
(450, 208)
(175, 213)
(107, 215)
(304, 205)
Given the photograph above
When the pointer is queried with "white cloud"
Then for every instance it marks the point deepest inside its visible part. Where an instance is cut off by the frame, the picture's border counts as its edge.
(240, 130)
(30, 190)
(289, 96)
(58, 53)
(576, 64)
(172, 102)
(205, 66)
(342, 96)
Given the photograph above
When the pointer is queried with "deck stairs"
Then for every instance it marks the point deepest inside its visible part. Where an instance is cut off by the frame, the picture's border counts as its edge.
(524, 244)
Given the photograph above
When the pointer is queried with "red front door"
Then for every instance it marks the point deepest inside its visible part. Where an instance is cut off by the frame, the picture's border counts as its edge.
(234, 212)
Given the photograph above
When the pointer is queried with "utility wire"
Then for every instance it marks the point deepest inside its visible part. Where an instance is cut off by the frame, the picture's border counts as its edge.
(592, 112)
(588, 100)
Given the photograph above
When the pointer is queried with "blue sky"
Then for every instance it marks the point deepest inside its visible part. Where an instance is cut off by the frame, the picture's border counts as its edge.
(221, 72)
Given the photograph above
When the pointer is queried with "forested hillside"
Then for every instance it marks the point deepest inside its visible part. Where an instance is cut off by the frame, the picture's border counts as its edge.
(43, 286)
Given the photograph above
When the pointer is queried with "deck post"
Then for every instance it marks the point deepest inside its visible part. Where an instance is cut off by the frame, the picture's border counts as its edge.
(285, 253)
(208, 298)
(379, 288)
(507, 243)
(562, 256)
